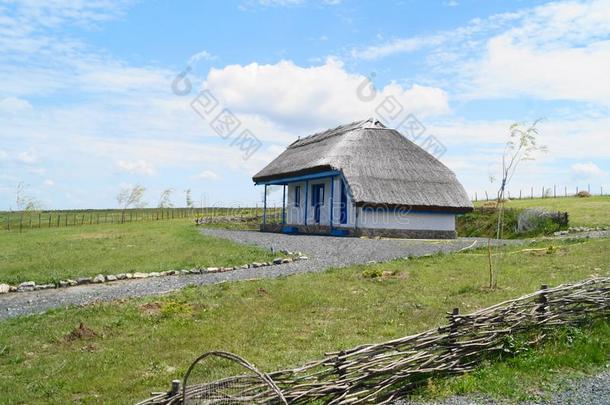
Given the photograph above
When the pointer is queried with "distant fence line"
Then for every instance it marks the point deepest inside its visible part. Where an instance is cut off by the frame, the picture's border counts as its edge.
(540, 192)
(24, 220)
(380, 373)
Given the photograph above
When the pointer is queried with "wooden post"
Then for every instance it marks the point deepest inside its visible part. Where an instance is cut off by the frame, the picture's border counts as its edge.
(543, 304)
(519, 194)
(21, 222)
(532, 192)
(265, 208)
(453, 326)
(50, 216)
(39, 219)
(566, 190)
(476, 197)
(554, 191)
(8, 223)
(175, 388)
(486, 196)
(284, 206)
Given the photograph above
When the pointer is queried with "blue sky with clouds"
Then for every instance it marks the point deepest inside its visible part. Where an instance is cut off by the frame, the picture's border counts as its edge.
(87, 106)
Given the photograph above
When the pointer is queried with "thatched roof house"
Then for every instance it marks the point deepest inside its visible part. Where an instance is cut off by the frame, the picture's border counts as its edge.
(378, 183)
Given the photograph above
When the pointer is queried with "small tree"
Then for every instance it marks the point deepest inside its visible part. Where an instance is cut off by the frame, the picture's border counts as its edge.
(25, 202)
(130, 197)
(521, 146)
(189, 198)
(165, 199)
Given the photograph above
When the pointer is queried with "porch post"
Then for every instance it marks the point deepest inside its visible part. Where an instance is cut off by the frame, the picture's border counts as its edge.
(265, 208)
(332, 195)
(284, 206)
(306, 200)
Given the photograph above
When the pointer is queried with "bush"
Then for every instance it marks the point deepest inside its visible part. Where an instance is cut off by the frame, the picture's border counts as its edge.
(482, 222)
(583, 194)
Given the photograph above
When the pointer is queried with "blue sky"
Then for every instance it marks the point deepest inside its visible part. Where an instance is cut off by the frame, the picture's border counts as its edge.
(87, 107)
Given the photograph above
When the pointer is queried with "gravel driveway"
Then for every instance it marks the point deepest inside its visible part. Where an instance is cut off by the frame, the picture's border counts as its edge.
(323, 251)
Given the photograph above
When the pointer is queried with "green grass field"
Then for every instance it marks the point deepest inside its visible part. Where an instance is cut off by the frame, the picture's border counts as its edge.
(48, 255)
(592, 211)
(140, 345)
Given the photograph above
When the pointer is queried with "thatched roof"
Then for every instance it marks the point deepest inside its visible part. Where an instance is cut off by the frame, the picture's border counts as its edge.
(380, 166)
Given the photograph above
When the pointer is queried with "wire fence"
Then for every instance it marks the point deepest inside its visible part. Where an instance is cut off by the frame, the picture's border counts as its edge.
(19, 221)
(541, 192)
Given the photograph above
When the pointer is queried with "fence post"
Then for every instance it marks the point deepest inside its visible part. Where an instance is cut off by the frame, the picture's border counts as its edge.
(542, 304)
(476, 197)
(50, 217)
(532, 192)
(8, 224)
(554, 191)
(566, 190)
(453, 326)
(175, 388)
(20, 222)
(519, 194)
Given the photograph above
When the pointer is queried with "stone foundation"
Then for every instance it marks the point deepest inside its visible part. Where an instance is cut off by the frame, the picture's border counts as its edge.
(368, 232)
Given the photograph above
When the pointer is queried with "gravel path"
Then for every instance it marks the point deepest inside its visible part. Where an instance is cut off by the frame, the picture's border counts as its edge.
(323, 251)
(593, 390)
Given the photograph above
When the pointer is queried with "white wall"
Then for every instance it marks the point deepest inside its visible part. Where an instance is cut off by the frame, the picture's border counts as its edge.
(366, 218)
(390, 219)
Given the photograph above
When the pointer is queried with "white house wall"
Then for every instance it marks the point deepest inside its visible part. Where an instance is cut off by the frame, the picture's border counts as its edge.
(390, 219)
(296, 215)
(366, 218)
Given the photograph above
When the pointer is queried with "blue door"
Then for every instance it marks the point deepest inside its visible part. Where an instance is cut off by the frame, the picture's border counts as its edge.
(343, 216)
(317, 200)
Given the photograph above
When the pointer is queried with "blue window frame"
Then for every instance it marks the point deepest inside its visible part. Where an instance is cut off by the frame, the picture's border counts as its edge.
(297, 196)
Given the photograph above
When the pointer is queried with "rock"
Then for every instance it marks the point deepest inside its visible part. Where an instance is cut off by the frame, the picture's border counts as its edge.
(111, 277)
(256, 264)
(71, 282)
(285, 252)
(128, 276)
(154, 274)
(244, 266)
(140, 275)
(4, 288)
(27, 284)
(195, 270)
(13, 289)
(277, 261)
(212, 269)
(83, 280)
(173, 272)
(303, 258)
(63, 284)
(164, 273)
(99, 279)
(121, 276)
(184, 272)
(287, 260)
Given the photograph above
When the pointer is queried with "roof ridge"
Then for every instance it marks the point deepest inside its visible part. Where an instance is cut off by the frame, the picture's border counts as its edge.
(369, 123)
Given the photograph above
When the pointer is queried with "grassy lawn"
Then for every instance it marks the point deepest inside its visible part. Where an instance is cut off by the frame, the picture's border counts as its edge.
(592, 211)
(45, 255)
(141, 344)
(571, 354)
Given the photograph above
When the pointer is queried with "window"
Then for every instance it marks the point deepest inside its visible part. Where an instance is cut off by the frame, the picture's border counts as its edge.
(297, 196)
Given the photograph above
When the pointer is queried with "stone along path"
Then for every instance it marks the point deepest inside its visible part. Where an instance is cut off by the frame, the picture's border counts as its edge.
(323, 252)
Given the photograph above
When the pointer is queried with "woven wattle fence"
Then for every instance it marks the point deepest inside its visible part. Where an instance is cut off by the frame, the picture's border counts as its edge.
(380, 373)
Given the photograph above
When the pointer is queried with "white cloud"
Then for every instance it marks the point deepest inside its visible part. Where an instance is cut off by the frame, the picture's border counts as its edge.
(48, 183)
(586, 170)
(203, 55)
(207, 175)
(14, 105)
(312, 97)
(140, 167)
(28, 157)
(3, 155)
